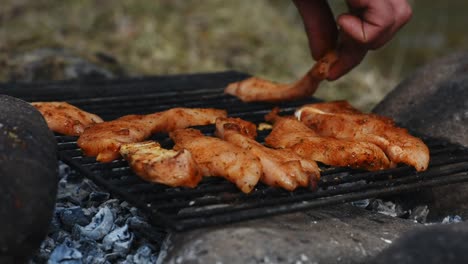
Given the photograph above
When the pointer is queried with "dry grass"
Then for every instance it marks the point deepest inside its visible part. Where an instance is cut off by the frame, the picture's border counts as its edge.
(261, 37)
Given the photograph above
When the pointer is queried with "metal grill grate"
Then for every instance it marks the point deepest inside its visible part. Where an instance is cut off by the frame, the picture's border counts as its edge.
(216, 201)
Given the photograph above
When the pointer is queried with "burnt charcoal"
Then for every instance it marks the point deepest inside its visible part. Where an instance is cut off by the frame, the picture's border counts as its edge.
(100, 225)
(60, 236)
(63, 170)
(66, 253)
(28, 177)
(142, 228)
(46, 248)
(116, 206)
(431, 245)
(143, 255)
(75, 192)
(99, 197)
(119, 240)
(419, 214)
(55, 223)
(72, 216)
(92, 252)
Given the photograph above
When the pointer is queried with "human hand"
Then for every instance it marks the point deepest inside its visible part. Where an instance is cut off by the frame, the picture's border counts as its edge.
(368, 25)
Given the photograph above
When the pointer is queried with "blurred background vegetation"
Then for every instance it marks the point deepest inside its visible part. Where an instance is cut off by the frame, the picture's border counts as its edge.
(261, 37)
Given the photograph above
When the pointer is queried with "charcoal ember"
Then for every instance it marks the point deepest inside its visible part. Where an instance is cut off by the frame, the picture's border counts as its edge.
(386, 207)
(90, 211)
(116, 206)
(72, 216)
(143, 255)
(55, 224)
(60, 236)
(419, 214)
(142, 228)
(98, 197)
(100, 225)
(64, 170)
(46, 248)
(66, 253)
(134, 211)
(92, 252)
(119, 240)
(75, 192)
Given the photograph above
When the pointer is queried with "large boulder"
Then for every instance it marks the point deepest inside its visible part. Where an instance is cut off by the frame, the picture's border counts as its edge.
(433, 101)
(28, 179)
(336, 234)
(431, 245)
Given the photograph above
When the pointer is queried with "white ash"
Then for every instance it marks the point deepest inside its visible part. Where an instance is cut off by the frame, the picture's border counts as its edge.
(386, 207)
(450, 219)
(89, 226)
(418, 214)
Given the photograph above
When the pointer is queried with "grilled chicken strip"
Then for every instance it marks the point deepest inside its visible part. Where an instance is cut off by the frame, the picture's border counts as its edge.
(216, 157)
(281, 167)
(153, 163)
(103, 140)
(243, 127)
(256, 89)
(64, 118)
(339, 119)
(290, 133)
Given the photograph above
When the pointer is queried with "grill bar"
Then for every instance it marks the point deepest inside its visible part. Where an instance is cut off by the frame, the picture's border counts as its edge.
(216, 201)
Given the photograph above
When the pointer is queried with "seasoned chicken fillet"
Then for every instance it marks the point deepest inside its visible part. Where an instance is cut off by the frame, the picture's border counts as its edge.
(255, 89)
(216, 157)
(292, 134)
(64, 118)
(281, 167)
(340, 120)
(153, 163)
(243, 127)
(103, 140)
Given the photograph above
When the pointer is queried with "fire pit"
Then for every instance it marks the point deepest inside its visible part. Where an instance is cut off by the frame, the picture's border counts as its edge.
(87, 209)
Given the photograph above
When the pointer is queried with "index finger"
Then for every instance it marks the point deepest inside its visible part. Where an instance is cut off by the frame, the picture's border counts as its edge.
(319, 24)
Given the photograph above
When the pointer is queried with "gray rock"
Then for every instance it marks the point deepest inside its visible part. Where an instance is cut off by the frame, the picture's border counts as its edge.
(28, 178)
(434, 101)
(431, 245)
(340, 234)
